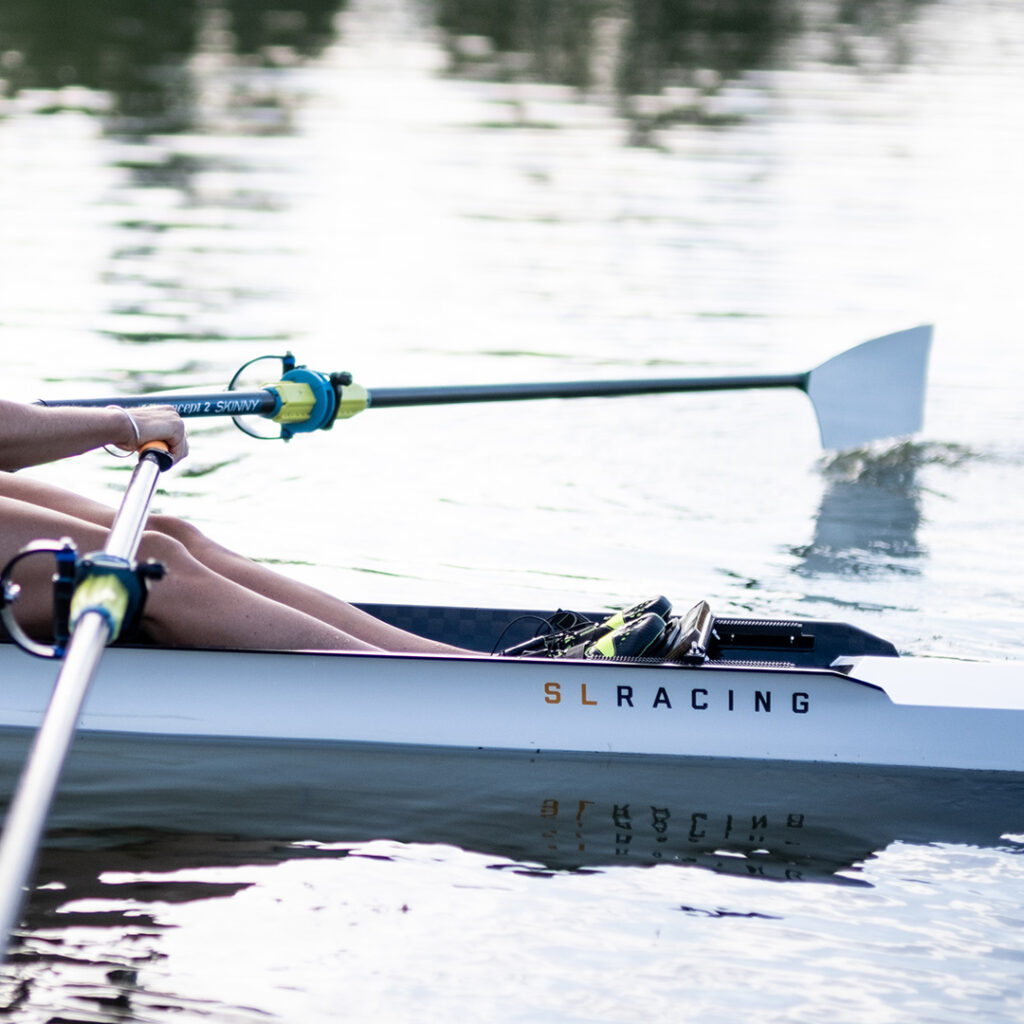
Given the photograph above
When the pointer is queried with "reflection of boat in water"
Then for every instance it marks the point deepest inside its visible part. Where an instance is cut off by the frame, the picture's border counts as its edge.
(773, 820)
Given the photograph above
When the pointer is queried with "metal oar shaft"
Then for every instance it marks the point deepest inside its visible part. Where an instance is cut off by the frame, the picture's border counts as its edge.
(130, 520)
(26, 818)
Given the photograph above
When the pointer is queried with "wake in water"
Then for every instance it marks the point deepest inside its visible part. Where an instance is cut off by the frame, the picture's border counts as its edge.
(894, 464)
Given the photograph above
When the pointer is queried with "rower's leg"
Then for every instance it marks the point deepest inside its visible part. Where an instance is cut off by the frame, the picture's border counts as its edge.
(196, 606)
(256, 578)
(192, 606)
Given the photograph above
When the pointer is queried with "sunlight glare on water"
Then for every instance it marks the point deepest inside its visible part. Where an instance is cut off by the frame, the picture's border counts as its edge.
(616, 946)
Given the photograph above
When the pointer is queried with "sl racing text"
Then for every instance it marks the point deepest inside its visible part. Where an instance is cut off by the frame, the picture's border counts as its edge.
(690, 698)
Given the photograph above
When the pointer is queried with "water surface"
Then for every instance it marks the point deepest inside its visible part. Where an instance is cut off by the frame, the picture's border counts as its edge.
(460, 192)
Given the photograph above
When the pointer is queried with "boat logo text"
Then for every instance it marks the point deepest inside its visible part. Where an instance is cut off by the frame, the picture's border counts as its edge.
(696, 698)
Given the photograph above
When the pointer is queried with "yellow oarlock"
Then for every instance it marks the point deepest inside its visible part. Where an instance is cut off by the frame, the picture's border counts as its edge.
(297, 401)
(352, 399)
(104, 593)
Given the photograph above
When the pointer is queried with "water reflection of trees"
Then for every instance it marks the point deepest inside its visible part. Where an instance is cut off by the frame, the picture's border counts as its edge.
(114, 46)
(661, 43)
(137, 51)
(671, 40)
(129, 47)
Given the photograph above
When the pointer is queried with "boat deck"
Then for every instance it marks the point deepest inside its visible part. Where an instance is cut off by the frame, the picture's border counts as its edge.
(809, 643)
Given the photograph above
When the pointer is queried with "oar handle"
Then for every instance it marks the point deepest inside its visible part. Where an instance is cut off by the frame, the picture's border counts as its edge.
(158, 452)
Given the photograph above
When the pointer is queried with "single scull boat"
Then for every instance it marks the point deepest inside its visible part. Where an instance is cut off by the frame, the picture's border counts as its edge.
(810, 691)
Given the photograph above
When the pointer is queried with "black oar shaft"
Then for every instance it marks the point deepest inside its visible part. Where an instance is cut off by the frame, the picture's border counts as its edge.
(382, 398)
(214, 403)
(257, 403)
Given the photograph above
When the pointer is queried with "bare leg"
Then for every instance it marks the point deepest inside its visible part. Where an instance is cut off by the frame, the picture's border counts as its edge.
(192, 606)
(331, 610)
(251, 606)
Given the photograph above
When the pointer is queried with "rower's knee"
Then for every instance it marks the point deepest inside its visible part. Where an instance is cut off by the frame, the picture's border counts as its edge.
(170, 598)
(170, 526)
(192, 539)
(177, 529)
(170, 552)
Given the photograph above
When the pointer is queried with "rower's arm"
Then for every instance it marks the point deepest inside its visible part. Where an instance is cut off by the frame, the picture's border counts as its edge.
(31, 435)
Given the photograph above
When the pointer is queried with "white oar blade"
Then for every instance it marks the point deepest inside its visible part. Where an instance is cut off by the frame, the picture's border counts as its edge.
(873, 391)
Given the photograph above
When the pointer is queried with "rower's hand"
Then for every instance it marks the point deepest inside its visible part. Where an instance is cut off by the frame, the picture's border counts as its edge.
(161, 423)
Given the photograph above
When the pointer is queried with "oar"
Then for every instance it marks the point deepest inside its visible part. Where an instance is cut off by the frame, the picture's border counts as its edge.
(873, 391)
(870, 392)
(98, 609)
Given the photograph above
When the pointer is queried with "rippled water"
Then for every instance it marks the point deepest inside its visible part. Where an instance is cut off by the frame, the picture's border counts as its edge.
(461, 192)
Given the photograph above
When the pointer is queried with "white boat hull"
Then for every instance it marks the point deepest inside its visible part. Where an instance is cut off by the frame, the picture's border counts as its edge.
(884, 711)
